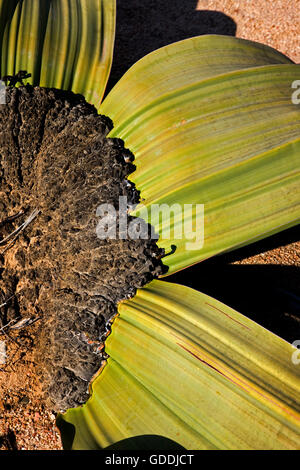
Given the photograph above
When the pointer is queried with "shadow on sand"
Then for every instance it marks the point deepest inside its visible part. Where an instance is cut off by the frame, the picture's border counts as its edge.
(145, 25)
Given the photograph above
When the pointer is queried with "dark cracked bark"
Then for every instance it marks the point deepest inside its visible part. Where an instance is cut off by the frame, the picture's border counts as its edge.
(55, 158)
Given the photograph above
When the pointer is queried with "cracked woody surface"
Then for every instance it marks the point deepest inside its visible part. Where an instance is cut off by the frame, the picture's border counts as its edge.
(257, 170)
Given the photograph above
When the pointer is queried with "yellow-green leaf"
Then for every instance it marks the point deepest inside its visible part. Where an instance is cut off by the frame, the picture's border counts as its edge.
(188, 368)
(211, 121)
(63, 44)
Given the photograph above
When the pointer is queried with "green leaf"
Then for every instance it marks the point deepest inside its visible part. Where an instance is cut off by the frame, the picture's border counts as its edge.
(188, 368)
(63, 44)
(211, 122)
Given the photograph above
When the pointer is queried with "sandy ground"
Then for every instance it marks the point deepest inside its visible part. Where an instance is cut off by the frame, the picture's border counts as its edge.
(143, 26)
(272, 22)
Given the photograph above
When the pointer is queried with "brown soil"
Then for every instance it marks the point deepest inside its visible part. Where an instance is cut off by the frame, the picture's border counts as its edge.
(25, 422)
(275, 23)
